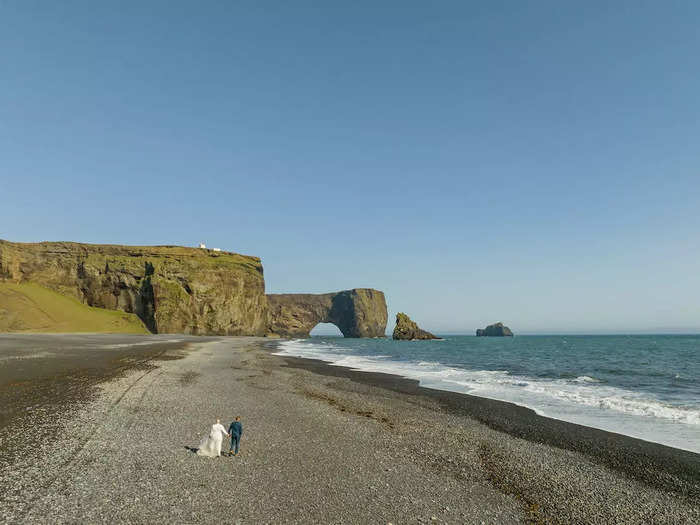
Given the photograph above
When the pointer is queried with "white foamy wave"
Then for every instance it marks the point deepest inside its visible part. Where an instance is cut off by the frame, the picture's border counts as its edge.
(38, 355)
(142, 343)
(586, 379)
(611, 398)
(320, 350)
(545, 396)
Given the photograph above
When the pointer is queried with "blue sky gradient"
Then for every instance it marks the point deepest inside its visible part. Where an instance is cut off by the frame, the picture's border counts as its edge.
(536, 163)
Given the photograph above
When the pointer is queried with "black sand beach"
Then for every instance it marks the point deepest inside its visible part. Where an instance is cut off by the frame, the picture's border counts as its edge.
(321, 444)
(43, 376)
(658, 465)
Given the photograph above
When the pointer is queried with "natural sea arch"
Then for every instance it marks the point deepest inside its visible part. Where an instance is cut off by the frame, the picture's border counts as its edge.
(360, 312)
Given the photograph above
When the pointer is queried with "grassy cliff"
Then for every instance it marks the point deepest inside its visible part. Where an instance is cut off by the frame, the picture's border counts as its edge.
(171, 289)
(30, 307)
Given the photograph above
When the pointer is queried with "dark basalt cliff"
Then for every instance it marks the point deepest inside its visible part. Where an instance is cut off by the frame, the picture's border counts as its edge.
(172, 289)
(494, 330)
(360, 312)
(408, 330)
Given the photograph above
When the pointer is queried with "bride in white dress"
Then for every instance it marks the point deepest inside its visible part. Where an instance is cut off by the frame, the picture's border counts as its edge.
(210, 446)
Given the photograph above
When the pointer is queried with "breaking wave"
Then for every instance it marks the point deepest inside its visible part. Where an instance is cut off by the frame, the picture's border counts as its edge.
(547, 396)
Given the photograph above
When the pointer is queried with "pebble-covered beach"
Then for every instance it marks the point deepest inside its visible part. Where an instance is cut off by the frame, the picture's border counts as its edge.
(317, 448)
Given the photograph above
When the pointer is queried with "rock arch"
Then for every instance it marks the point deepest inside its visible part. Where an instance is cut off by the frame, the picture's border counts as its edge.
(360, 312)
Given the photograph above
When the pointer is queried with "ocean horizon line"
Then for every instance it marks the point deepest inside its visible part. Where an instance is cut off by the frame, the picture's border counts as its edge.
(680, 332)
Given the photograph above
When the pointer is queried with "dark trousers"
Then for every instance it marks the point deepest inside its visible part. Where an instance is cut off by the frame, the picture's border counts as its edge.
(235, 441)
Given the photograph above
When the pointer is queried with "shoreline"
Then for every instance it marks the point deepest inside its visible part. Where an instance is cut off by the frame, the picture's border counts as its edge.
(653, 463)
(647, 391)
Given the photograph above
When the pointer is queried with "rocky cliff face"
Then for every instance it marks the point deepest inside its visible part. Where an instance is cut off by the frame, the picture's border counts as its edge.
(494, 330)
(360, 312)
(408, 330)
(172, 289)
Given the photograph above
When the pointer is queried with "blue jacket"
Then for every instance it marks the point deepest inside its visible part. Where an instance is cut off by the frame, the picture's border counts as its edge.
(236, 429)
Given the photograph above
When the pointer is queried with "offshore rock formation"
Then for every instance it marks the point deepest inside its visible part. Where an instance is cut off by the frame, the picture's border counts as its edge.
(408, 330)
(360, 312)
(171, 289)
(494, 330)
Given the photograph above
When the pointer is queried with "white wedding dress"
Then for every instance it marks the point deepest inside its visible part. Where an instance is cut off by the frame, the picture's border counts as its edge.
(210, 446)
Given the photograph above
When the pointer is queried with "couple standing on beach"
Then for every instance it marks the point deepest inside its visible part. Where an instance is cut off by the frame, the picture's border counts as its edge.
(210, 446)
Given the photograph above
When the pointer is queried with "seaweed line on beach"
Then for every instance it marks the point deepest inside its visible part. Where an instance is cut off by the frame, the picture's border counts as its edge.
(343, 407)
(493, 463)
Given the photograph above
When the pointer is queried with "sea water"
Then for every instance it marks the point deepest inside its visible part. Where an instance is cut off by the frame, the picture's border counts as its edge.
(645, 386)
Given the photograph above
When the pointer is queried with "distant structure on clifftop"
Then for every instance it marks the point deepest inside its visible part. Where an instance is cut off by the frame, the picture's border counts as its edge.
(203, 246)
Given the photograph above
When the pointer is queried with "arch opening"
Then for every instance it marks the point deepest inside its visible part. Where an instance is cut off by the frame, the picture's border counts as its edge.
(326, 330)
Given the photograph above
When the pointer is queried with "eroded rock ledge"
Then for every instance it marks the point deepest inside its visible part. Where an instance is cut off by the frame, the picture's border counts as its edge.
(360, 312)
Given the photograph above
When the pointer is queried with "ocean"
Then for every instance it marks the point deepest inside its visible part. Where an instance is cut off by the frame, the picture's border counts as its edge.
(645, 386)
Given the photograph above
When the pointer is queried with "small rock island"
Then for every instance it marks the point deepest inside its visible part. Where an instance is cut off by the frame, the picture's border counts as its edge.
(494, 330)
(407, 330)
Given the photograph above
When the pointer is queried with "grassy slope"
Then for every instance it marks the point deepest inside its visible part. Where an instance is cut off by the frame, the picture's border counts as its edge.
(32, 308)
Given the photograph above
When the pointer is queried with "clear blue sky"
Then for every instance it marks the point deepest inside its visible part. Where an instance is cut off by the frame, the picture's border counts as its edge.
(536, 163)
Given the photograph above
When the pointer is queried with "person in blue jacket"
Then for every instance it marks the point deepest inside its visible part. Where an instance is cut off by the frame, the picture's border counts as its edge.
(235, 429)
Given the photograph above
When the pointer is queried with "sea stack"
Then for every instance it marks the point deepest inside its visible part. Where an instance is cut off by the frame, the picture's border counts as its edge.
(407, 330)
(494, 330)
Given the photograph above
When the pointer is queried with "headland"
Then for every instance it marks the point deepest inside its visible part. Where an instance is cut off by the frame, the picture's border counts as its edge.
(72, 287)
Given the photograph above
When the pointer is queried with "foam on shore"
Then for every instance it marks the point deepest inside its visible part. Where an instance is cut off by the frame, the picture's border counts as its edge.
(581, 400)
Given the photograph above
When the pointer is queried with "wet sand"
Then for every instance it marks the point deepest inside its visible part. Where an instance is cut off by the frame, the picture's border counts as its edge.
(323, 444)
(42, 376)
(40, 369)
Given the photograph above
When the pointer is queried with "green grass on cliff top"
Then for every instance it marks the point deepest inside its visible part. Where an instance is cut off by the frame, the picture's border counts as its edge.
(132, 257)
(29, 307)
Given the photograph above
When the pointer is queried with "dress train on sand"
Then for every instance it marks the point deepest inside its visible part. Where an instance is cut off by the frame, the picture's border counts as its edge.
(210, 445)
